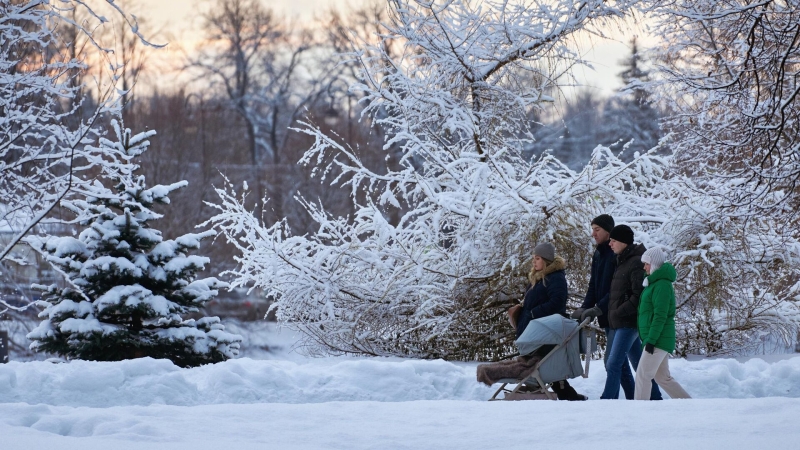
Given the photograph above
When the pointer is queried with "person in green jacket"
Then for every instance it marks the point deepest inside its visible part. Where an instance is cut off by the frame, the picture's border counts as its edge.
(656, 323)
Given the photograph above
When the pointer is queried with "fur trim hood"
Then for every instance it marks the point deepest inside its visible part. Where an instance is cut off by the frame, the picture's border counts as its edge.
(557, 264)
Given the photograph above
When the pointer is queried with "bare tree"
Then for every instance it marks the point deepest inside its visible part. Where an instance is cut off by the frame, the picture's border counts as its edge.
(270, 71)
(239, 32)
(130, 55)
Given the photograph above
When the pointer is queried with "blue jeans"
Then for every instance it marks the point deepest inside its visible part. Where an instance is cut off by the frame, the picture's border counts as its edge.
(623, 345)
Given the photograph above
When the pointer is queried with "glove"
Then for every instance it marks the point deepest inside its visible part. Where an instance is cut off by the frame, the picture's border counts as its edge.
(577, 313)
(513, 314)
(591, 313)
(649, 348)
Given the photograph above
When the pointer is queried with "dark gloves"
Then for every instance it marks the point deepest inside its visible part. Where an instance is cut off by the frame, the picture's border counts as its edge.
(513, 315)
(649, 348)
(577, 314)
(591, 313)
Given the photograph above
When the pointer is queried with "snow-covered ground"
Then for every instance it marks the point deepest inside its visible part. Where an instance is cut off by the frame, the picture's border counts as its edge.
(352, 403)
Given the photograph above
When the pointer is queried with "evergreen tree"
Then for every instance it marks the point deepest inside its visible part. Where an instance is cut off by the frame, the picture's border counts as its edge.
(629, 118)
(573, 139)
(634, 74)
(126, 286)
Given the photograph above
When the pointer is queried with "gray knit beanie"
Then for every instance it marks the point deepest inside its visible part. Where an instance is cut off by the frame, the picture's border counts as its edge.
(545, 251)
(655, 257)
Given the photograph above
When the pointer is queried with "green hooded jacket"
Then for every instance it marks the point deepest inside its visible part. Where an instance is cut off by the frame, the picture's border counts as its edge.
(657, 309)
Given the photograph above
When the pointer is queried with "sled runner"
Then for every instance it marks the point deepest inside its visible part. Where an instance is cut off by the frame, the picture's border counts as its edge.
(550, 349)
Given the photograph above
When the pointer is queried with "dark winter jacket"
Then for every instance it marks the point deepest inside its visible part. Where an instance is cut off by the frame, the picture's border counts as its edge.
(626, 288)
(547, 295)
(604, 261)
(657, 309)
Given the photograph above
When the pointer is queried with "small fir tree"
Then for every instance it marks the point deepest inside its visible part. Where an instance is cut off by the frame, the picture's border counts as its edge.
(573, 139)
(127, 288)
(630, 120)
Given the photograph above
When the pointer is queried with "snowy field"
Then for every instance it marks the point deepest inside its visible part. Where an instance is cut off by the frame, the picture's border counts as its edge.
(350, 403)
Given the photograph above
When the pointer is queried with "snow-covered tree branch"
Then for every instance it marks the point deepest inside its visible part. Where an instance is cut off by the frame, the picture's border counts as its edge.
(45, 122)
(437, 282)
(48, 116)
(730, 73)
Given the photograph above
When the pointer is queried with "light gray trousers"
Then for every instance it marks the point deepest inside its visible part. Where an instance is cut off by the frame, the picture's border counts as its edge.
(656, 366)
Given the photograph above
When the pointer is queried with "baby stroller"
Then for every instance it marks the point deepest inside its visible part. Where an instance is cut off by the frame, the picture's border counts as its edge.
(553, 346)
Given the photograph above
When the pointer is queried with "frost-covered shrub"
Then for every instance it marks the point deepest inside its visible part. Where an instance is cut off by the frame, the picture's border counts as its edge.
(437, 282)
(728, 75)
(127, 287)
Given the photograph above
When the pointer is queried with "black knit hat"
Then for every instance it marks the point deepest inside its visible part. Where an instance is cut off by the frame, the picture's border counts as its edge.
(622, 233)
(604, 221)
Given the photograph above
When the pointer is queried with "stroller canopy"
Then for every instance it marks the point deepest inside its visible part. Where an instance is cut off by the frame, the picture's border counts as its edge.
(550, 330)
(563, 362)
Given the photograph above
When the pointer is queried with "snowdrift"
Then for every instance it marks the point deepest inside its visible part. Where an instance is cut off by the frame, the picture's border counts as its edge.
(158, 382)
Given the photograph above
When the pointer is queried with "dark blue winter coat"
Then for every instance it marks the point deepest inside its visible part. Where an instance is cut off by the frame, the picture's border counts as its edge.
(604, 262)
(546, 297)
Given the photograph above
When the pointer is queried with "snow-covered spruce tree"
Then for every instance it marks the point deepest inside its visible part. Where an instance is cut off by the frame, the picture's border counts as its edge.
(126, 286)
(47, 113)
(630, 119)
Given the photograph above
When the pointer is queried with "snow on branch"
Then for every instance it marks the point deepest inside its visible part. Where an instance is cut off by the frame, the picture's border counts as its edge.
(730, 75)
(440, 245)
(45, 127)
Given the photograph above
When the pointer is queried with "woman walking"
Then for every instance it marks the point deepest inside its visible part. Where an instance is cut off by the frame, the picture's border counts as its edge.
(545, 295)
(657, 327)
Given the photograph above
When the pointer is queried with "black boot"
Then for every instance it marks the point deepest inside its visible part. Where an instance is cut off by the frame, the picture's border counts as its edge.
(566, 392)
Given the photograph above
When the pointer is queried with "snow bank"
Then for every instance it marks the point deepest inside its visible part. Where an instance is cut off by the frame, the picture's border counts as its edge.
(720, 378)
(153, 382)
(368, 403)
(148, 381)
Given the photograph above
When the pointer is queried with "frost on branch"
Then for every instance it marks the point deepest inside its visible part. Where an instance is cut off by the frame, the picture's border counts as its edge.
(47, 114)
(730, 75)
(127, 286)
(436, 283)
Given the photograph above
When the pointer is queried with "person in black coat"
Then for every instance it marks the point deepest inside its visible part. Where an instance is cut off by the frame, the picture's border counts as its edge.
(545, 295)
(595, 304)
(604, 262)
(623, 344)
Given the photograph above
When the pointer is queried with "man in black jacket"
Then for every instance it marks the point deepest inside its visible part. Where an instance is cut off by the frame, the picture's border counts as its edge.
(623, 304)
(595, 304)
(604, 261)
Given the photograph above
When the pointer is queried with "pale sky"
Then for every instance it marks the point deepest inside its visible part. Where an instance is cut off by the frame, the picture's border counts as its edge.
(178, 19)
(176, 22)
(179, 13)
